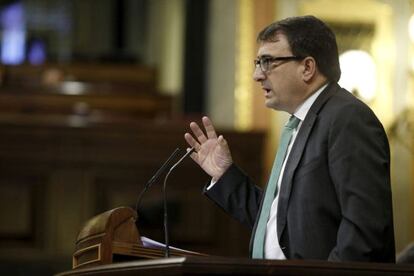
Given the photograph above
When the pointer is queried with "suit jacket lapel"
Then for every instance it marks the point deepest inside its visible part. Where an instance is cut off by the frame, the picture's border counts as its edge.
(296, 154)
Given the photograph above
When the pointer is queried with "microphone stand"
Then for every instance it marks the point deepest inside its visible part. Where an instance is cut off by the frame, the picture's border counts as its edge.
(166, 230)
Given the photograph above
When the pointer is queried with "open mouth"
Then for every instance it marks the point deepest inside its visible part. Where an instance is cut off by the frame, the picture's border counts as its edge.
(267, 91)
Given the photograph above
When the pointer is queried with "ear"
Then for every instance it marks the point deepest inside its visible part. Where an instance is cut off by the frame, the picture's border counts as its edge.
(309, 68)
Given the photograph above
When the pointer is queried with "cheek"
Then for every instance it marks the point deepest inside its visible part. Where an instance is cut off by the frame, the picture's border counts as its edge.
(277, 82)
(281, 84)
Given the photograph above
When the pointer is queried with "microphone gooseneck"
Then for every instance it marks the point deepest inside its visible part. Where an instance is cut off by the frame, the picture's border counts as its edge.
(166, 230)
(162, 169)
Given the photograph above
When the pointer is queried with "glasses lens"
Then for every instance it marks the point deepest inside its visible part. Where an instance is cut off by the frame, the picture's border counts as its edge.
(264, 64)
(257, 64)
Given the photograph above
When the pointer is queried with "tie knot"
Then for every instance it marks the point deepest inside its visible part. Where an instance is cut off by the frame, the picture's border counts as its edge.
(293, 122)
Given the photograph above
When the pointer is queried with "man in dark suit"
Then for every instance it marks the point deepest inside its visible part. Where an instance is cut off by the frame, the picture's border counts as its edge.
(329, 194)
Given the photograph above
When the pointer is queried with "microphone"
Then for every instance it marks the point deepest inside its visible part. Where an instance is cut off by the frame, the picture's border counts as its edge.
(166, 230)
(162, 169)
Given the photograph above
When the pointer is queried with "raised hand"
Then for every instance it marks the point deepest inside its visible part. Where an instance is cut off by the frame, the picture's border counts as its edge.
(212, 153)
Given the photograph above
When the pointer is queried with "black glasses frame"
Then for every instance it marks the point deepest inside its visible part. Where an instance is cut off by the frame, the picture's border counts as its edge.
(265, 61)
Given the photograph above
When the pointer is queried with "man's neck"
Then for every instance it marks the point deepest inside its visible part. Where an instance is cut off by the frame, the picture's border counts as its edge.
(316, 85)
(310, 90)
(303, 108)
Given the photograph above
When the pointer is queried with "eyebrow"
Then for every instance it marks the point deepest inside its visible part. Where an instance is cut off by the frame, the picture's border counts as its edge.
(264, 56)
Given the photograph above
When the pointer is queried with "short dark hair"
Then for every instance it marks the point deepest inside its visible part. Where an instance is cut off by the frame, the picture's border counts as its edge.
(308, 36)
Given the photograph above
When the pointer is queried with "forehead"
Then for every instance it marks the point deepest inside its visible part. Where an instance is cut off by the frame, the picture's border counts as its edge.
(279, 46)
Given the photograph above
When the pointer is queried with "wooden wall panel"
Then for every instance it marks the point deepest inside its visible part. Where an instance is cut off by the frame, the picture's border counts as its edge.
(82, 171)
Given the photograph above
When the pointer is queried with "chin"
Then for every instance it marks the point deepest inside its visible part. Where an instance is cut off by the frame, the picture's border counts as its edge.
(270, 104)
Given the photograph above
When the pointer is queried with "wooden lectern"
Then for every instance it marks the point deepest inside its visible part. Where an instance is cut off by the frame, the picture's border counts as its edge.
(113, 236)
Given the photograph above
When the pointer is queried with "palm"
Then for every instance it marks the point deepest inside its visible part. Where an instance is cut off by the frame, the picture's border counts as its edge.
(213, 158)
(212, 153)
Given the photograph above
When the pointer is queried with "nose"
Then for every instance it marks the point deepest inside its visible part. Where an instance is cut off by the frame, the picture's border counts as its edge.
(258, 74)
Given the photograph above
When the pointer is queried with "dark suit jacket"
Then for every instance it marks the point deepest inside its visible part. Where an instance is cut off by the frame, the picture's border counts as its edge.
(335, 198)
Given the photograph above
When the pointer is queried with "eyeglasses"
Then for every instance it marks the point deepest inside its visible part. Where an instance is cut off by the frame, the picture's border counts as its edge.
(265, 61)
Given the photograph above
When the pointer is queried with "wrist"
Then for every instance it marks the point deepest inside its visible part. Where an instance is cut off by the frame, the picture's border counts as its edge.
(216, 177)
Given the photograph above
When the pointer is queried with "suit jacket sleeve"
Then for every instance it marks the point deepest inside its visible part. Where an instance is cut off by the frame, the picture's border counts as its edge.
(360, 170)
(236, 194)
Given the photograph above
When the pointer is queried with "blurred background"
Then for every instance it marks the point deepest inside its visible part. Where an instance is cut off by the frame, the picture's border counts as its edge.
(95, 95)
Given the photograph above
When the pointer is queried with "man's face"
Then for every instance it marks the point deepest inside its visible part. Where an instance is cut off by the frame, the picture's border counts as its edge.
(282, 82)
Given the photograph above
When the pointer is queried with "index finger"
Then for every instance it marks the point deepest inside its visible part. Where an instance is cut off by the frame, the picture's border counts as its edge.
(208, 125)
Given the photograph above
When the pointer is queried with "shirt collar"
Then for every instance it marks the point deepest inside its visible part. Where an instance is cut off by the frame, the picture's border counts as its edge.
(303, 109)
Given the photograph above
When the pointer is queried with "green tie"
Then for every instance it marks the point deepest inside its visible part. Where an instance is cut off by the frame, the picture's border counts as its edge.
(271, 190)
